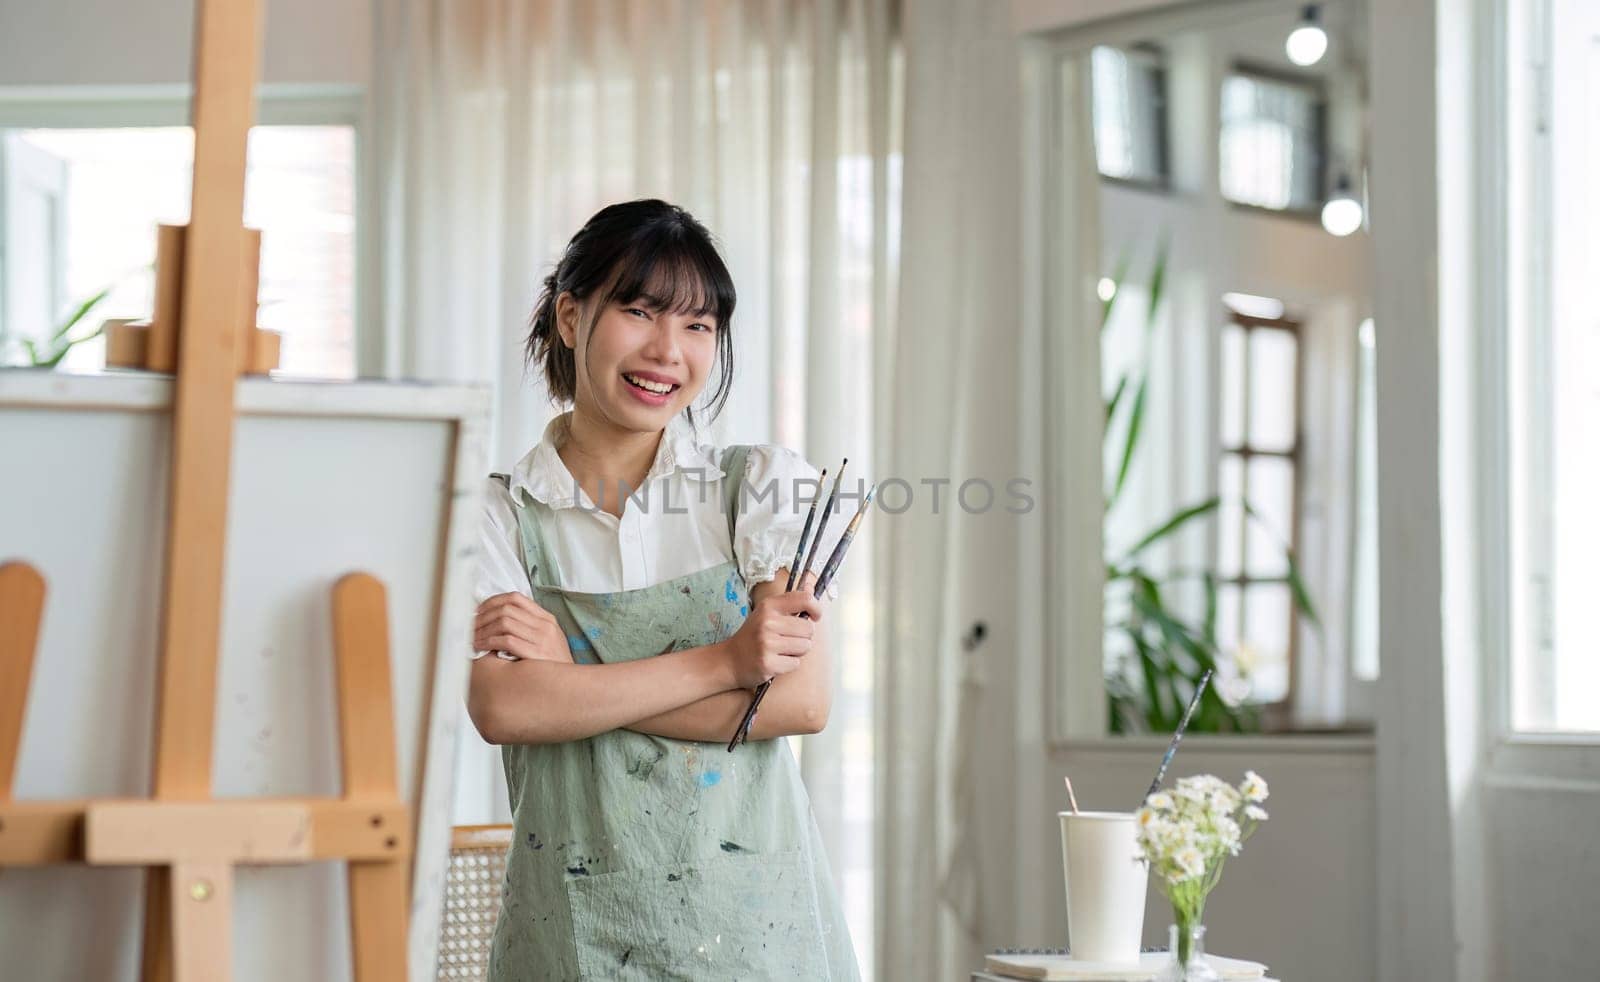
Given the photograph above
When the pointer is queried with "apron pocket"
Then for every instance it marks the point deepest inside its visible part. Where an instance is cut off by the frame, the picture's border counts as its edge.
(747, 917)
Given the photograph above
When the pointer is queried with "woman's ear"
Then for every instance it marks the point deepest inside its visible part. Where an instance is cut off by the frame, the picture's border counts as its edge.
(567, 310)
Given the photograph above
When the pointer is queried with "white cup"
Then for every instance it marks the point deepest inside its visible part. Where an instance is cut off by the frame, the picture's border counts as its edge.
(1106, 878)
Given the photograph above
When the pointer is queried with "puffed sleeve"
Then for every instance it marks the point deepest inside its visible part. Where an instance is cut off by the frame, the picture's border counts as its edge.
(499, 554)
(780, 485)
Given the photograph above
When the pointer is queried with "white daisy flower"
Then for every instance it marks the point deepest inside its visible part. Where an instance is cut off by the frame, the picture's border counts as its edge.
(1192, 861)
(1254, 787)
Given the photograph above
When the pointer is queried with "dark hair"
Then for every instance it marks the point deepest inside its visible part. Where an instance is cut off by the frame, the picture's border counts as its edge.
(645, 251)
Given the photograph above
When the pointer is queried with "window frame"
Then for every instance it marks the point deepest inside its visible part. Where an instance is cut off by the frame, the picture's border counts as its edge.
(133, 106)
(1276, 715)
(1515, 200)
(1313, 84)
(1164, 183)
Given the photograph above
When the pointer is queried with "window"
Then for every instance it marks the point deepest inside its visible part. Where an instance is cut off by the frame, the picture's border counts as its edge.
(1364, 564)
(1272, 141)
(1553, 366)
(1130, 113)
(80, 207)
(1256, 482)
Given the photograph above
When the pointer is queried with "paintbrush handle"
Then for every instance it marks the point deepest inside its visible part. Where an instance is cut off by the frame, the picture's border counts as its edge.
(805, 535)
(742, 734)
(1183, 724)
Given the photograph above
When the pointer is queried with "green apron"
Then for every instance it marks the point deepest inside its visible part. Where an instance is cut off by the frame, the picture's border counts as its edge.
(642, 857)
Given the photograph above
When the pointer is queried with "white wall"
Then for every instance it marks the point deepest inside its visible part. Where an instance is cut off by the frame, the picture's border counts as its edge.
(150, 42)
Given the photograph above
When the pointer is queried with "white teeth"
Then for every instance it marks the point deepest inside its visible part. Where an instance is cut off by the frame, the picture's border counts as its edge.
(660, 388)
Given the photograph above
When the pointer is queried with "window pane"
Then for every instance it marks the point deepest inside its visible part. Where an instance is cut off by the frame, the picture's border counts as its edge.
(1228, 597)
(1272, 389)
(1364, 564)
(1271, 494)
(1231, 396)
(1554, 388)
(1230, 515)
(118, 184)
(1271, 143)
(1129, 113)
(1264, 650)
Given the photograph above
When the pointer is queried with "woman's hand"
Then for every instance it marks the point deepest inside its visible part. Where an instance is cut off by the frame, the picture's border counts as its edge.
(514, 624)
(774, 638)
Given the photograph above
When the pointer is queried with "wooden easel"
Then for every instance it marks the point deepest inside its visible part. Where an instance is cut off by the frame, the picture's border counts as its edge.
(192, 841)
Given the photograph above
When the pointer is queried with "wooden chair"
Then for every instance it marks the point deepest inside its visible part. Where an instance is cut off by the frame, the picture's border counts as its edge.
(472, 900)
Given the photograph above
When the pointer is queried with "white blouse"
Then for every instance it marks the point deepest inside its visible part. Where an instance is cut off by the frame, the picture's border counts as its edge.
(673, 526)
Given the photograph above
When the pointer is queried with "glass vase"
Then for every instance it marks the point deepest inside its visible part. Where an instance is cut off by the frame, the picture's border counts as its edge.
(1188, 962)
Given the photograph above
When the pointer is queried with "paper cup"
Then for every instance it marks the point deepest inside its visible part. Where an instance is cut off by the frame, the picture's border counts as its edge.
(1106, 878)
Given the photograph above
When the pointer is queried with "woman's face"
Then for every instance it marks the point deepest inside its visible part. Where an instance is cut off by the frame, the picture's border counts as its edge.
(638, 367)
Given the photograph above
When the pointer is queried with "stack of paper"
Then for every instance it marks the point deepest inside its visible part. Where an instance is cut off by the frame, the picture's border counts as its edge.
(1064, 968)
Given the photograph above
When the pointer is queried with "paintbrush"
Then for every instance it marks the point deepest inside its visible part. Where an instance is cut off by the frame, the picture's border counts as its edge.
(827, 513)
(797, 569)
(829, 570)
(805, 531)
(1183, 724)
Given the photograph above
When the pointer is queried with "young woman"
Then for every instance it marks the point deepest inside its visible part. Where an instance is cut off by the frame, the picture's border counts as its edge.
(632, 597)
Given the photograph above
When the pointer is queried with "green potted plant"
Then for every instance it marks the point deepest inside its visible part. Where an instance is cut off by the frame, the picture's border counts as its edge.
(1167, 650)
(49, 353)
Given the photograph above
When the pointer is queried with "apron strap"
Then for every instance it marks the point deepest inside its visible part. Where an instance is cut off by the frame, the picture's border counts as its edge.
(534, 554)
(734, 459)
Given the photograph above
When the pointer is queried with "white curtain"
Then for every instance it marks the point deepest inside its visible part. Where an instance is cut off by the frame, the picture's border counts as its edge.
(956, 333)
(500, 127)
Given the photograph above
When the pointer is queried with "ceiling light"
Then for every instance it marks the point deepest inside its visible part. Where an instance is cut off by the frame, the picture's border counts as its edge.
(1308, 42)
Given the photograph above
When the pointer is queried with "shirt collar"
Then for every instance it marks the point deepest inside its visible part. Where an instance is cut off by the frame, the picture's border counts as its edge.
(543, 476)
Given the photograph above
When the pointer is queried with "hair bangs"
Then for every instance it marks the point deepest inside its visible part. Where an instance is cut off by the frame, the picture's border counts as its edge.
(671, 272)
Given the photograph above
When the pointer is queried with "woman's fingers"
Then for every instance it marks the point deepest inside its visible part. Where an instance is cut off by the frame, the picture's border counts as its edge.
(510, 608)
(794, 603)
(508, 618)
(520, 602)
(513, 623)
(794, 627)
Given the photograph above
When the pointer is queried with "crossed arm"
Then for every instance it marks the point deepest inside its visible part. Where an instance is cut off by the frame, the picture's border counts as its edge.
(694, 694)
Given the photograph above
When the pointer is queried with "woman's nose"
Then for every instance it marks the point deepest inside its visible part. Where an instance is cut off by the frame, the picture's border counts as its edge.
(663, 342)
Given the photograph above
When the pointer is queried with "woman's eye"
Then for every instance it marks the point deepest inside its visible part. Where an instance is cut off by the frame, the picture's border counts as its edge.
(636, 310)
(701, 327)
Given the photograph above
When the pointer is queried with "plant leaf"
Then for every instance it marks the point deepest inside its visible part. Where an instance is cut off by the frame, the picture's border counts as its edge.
(1116, 397)
(1174, 523)
(81, 312)
(1158, 285)
(1211, 608)
(1297, 586)
(1130, 441)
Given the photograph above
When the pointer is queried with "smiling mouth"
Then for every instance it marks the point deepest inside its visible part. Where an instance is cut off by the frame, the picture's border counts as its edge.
(646, 385)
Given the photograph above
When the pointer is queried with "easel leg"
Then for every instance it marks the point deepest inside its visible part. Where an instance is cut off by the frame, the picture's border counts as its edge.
(155, 960)
(379, 898)
(201, 903)
(378, 913)
(21, 608)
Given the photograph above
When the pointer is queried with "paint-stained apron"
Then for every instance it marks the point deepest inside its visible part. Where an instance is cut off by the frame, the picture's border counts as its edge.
(641, 857)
